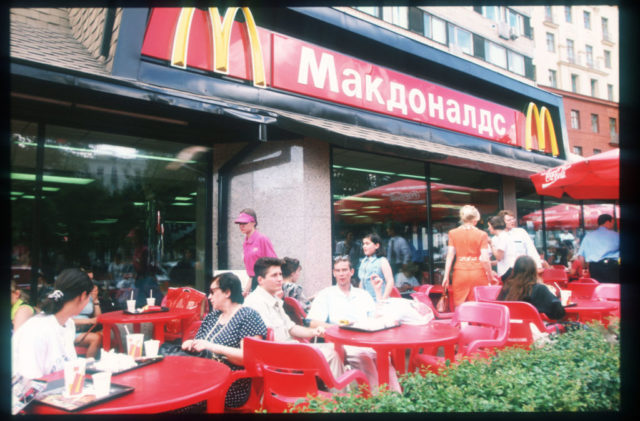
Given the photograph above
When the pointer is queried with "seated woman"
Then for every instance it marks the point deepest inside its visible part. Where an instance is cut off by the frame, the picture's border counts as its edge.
(523, 285)
(20, 310)
(290, 288)
(45, 341)
(84, 321)
(223, 329)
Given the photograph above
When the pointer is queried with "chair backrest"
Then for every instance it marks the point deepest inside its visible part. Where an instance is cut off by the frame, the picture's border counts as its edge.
(425, 288)
(587, 281)
(581, 289)
(607, 292)
(482, 325)
(554, 274)
(424, 298)
(295, 310)
(521, 314)
(289, 370)
(486, 292)
(188, 299)
(395, 292)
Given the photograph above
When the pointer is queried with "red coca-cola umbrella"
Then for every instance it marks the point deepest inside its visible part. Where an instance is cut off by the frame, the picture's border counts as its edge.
(567, 216)
(595, 177)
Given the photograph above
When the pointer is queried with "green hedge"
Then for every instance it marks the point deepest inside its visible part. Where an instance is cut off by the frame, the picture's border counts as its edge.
(576, 371)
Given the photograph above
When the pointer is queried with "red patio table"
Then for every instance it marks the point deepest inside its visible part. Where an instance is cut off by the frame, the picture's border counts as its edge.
(587, 310)
(175, 382)
(395, 341)
(159, 319)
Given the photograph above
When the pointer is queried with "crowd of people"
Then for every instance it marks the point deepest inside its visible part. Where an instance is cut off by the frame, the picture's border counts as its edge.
(45, 337)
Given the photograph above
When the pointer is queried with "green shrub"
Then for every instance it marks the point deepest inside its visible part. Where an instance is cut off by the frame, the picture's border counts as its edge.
(577, 371)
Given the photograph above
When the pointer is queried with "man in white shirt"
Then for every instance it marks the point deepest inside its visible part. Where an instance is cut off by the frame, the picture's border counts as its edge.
(501, 247)
(520, 239)
(265, 300)
(345, 303)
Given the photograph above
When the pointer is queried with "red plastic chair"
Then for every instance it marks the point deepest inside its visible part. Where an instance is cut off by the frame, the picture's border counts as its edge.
(521, 314)
(486, 293)
(609, 292)
(183, 298)
(424, 298)
(290, 370)
(587, 281)
(582, 290)
(551, 275)
(295, 310)
(395, 292)
(561, 267)
(486, 327)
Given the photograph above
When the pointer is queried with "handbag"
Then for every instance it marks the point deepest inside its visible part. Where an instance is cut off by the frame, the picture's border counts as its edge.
(443, 303)
(175, 349)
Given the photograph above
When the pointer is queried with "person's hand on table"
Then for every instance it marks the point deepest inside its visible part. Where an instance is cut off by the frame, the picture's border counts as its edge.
(197, 345)
(319, 331)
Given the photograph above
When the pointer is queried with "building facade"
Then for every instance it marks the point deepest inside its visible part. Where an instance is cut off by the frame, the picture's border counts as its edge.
(167, 122)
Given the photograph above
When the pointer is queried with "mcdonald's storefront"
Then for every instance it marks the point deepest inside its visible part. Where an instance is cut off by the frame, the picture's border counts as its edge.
(173, 120)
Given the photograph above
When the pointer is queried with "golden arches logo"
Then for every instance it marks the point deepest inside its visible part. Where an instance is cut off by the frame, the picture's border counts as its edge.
(221, 39)
(544, 129)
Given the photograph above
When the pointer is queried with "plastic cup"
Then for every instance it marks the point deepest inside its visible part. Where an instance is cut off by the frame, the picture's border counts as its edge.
(102, 383)
(74, 376)
(151, 301)
(134, 344)
(131, 306)
(151, 347)
(565, 294)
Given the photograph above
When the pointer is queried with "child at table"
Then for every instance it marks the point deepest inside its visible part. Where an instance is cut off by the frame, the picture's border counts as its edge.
(44, 343)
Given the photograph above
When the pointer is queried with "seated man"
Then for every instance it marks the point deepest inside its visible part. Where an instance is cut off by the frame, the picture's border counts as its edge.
(344, 302)
(265, 300)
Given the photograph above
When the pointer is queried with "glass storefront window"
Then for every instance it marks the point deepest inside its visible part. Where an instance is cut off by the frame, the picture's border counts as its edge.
(107, 197)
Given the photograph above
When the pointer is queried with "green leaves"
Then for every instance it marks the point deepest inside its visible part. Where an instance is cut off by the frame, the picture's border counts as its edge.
(577, 371)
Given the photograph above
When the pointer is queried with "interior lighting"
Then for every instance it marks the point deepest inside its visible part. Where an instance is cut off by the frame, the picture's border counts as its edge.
(182, 198)
(48, 188)
(138, 203)
(456, 192)
(51, 178)
(417, 177)
(181, 204)
(105, 221)
(445, 206)
(369, 171)
(16, 193)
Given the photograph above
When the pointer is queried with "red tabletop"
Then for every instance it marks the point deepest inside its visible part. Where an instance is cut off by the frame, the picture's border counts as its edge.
(174, 382)
(587, 310)
(396, 340)
(158, 319)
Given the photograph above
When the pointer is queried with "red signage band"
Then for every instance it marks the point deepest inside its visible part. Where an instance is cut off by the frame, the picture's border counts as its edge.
(296, 66)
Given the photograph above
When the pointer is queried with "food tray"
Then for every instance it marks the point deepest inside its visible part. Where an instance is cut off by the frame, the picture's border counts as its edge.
(355, 327)
(53, 395)
(139, 311)
(140, 362)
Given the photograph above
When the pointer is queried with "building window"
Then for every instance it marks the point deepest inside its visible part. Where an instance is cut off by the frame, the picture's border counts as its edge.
(459, 39)
(575, 119)
(370, 10)
(612, 127)
(551, 42)
(587, 20)
(435, 29)
(495, 54)
(594, 87)
(607, 59)
(589, 55)
(596, 151)
(516, 62)
(609, 92)
(516, 22)
(553, 78)
(397, 15)
(605, 29)
(577, 150)
(548, 14)
(574, 83)
(491, 12)
(571, 58)
(567, 14)
(594, 123)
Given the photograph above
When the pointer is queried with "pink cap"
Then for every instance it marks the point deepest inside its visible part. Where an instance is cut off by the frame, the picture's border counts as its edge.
(244, 218)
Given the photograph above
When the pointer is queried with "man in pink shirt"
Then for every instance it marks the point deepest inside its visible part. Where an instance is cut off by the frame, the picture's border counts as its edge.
(255, 245)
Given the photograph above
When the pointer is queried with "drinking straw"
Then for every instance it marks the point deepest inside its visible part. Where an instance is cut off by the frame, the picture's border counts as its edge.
(127, 329)
(150, 293)
(132, 294)
(557, 286)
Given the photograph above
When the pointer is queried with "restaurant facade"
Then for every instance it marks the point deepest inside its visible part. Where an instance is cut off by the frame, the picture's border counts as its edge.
(170, 121)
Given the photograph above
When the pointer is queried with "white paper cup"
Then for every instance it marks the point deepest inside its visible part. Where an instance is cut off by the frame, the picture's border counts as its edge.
(131, 306)
(134, 344)
(74, 376)
(565, 294)
(151, 301)
(151, 347)
(102, 383)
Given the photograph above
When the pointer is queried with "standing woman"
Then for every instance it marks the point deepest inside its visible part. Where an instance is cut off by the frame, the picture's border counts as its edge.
(255, 245)
(223, 330)
(375, 266)
(44, 343)
(470, 246)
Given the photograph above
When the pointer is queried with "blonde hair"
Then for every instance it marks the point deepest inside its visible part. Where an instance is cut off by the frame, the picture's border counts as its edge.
(469, 213)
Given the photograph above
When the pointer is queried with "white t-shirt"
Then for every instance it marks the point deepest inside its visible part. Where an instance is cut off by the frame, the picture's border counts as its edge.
(41, 346)
(502, 241)
(332, 305)
(523, 245)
